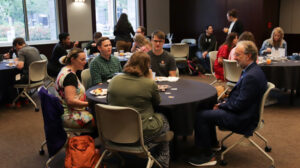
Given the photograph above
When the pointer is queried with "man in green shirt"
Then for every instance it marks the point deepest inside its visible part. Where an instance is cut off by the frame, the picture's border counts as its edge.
(104, 66)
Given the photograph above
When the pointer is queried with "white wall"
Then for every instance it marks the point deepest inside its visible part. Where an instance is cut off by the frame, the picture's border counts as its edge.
(80, 20)
(289, 16)
(158, 15)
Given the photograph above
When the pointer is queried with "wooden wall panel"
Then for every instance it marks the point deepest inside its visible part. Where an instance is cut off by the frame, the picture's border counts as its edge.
(188, 18)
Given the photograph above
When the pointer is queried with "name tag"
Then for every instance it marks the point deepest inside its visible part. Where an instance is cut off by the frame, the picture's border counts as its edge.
(18, 77)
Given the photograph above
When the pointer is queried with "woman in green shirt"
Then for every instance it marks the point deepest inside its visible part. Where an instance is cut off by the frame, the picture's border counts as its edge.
(137, 89)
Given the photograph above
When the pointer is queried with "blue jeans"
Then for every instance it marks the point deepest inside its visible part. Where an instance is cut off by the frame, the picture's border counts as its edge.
(204, 61)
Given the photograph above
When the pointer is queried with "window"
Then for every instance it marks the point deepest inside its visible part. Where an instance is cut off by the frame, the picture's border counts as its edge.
(34, 20)
(109, 11)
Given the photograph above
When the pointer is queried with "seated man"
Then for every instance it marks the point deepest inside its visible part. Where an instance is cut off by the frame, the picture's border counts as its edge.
(104, 66)
(59, 50)
(240, 113)
(162, 62)
(27, 55)
(206, 43)
(92, 45)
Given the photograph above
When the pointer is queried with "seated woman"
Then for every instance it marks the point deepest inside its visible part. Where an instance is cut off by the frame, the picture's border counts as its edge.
(223, 53)
(72, 92)
(137, 89)
(245, 36)
(276, 40)
(141, 43)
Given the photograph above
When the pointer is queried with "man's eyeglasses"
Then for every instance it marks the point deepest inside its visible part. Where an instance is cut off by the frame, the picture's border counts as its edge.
(158, 41)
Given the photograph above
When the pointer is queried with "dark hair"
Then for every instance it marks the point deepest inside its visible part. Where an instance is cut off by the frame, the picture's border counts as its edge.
(143, 29)
(233, 13)
(99, 42)
(63, 36)
(206, 27)
(19, 41)
(72, 54)
(123, 22)
(138, 64)
(97, 35)
(160, 34)
(247, 36)
(229, 39)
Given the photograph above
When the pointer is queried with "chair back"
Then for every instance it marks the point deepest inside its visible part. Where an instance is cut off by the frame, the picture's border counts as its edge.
(117, 124)
(37, 71)
(232, 72)
(86, 78)
(180, 50)
(212, 59)
(262, 105)
(189, 41)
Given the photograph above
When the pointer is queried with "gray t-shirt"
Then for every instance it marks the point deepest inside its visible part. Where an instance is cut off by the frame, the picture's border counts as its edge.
(28, 55)
(162, 64)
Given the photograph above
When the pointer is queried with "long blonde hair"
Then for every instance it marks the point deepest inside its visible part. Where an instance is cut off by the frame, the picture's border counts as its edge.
(278, 43)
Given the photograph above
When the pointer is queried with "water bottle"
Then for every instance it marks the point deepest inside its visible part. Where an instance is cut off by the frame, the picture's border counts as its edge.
(14, 56)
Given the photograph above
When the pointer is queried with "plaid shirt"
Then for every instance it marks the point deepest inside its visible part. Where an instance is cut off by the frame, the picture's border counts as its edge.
(102, 69)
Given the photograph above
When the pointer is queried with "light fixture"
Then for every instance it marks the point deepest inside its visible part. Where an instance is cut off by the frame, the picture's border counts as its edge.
(79, 0)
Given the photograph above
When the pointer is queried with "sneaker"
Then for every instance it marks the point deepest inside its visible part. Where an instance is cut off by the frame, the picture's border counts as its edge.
(203, 161)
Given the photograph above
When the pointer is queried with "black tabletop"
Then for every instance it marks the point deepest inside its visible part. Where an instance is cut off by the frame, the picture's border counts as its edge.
(284, 74)
(7, 77)
(4, 66)
(179, 103)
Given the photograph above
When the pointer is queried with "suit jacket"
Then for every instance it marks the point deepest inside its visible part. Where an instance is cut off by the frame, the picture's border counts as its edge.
(238, 27)
(244, 100)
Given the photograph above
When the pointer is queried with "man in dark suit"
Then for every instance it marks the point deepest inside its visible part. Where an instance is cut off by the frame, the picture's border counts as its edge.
(235, 24)
(239, 113)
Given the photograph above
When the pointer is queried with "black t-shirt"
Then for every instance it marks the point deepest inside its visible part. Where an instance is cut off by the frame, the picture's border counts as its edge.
(70, 79)
(162, 64)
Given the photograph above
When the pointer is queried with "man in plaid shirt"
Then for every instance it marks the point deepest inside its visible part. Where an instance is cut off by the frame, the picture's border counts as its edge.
(104, 66)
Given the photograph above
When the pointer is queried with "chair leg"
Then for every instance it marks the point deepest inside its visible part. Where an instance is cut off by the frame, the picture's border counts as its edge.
(42, 152)
(101, 158)
(232, 146)
(35, 106)
(262, 151)
(19, 95)
(150, 162)
(156, 162)
(227, 136)
(261, 137)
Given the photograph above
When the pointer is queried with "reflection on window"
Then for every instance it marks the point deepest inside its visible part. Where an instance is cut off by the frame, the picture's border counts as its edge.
(109, 11)
(40, 23)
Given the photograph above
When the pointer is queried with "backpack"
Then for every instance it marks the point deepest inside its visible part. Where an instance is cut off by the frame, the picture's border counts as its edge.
(81, 152)
(195, 67)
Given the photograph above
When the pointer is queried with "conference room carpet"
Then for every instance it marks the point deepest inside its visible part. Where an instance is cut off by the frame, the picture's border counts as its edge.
(21, 134)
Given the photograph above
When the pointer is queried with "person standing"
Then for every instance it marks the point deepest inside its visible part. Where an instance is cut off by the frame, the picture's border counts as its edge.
(123, 31)
(206, 43)
(239, 113)
(162, 62)
(235, 24)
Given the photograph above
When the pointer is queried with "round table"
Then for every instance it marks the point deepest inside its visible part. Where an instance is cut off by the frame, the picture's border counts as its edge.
(7, 77)
(284, 74)
(179, 103)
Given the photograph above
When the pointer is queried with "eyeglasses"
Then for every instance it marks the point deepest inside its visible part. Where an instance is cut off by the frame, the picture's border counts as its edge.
(158, 41)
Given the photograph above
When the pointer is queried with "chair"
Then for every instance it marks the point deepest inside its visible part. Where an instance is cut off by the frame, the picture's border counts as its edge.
(189, 41)
(180, 51)
(86, 78)
(212, 59)
(121, 130)
(259, 126)
(36, 74)
(52, 79)
(232, 74)
(56, 135)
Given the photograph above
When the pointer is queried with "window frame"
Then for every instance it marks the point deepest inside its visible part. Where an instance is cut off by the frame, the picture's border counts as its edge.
(139, 14)
(26, 26)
